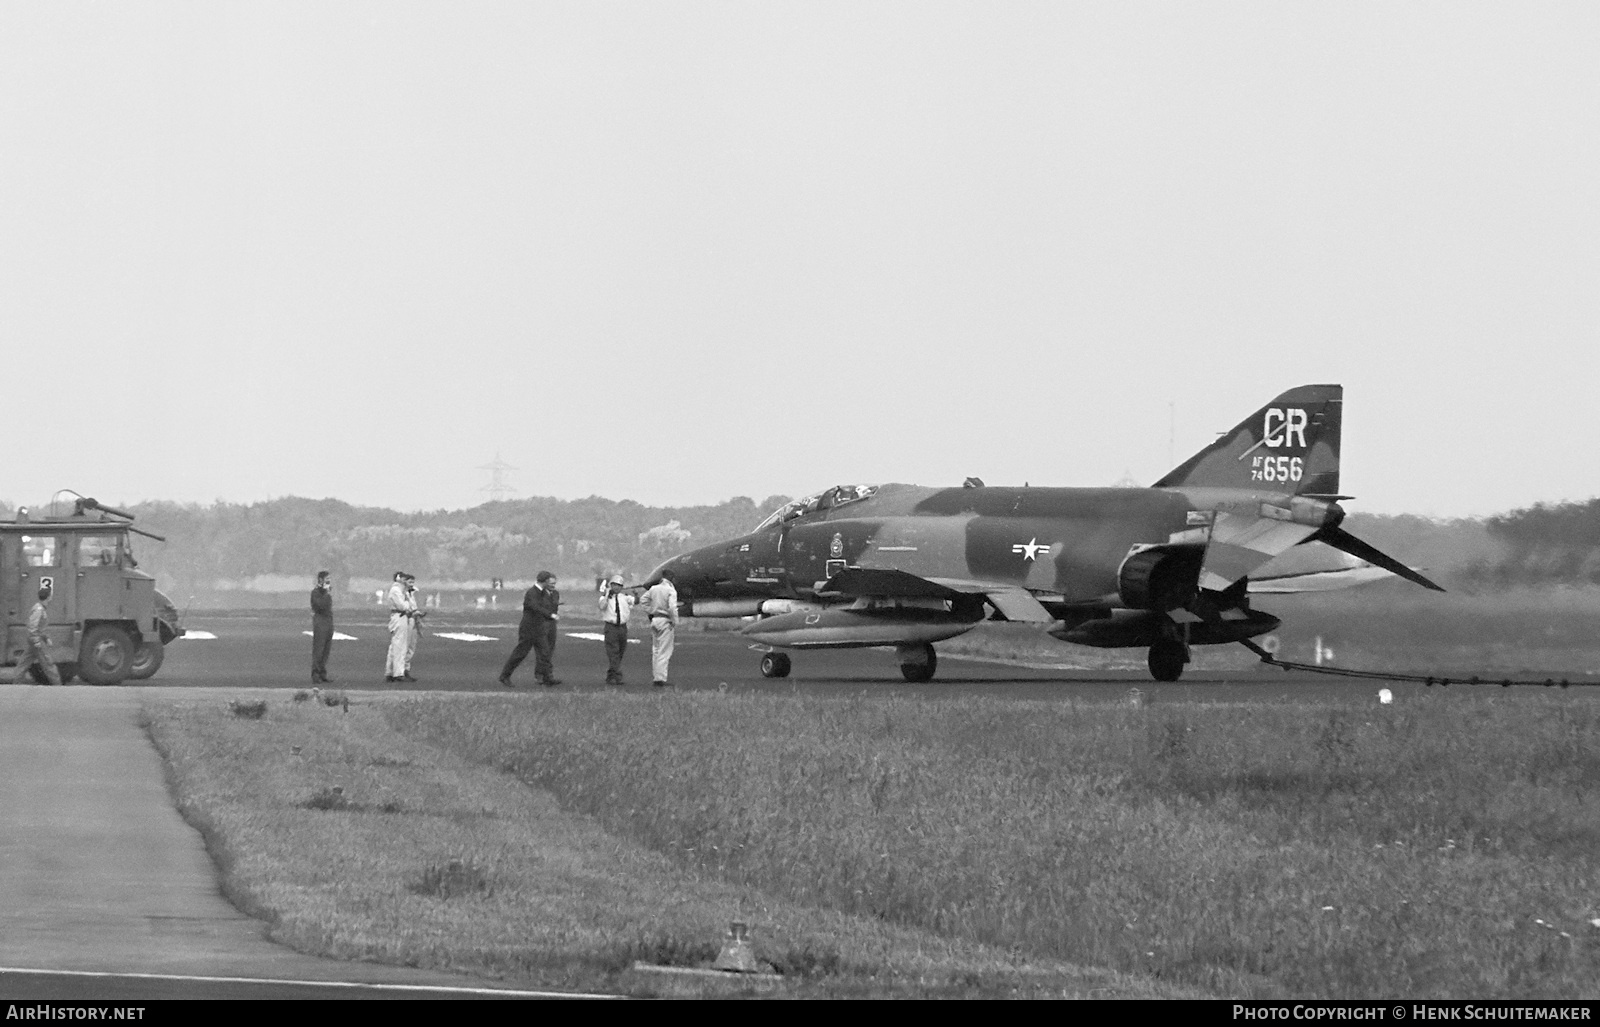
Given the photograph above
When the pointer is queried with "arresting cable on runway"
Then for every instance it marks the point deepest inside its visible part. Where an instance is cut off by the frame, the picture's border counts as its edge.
(1427, 679)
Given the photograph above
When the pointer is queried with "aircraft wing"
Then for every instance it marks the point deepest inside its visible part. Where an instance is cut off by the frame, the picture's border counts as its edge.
(1014, 602)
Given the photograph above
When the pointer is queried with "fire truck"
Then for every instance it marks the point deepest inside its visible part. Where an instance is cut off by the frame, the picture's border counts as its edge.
(108, 623)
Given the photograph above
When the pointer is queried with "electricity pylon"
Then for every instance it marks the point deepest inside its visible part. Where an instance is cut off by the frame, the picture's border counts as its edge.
(497, 487)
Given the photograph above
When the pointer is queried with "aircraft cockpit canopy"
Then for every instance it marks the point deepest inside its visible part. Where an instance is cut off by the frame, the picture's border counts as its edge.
(827, 499)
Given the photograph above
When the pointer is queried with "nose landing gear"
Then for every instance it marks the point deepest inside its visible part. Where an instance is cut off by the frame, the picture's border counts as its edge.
(917, 662)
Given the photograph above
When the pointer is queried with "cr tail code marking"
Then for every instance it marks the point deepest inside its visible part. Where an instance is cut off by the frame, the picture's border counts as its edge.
(1281, 428)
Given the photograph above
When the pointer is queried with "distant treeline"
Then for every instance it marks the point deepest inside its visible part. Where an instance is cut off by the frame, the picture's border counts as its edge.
(216, 547)
(1545, 543)
(222, 546)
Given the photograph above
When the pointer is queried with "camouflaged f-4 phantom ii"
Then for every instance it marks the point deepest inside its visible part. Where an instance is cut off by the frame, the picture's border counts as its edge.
(1165, 567)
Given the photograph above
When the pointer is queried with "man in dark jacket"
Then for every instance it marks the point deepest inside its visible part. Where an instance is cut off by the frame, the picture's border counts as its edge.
(537, 632)
(321, 627)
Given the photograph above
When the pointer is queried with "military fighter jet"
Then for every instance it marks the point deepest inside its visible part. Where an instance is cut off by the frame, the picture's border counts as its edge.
(1166, 567)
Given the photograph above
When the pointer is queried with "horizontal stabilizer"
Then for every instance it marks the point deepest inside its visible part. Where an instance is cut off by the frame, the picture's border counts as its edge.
(1313, 567)
(1319, 581)
(1342, 540)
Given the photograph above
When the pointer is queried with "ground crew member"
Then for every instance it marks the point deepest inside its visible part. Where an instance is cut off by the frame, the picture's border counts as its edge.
(417, 613)
(537, 632)
(616, 606)
(321, 627)
(661, 603)
(394, 665)
(38, 652)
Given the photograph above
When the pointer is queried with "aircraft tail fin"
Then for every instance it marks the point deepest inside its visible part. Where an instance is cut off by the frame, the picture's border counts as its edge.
(1289, 445)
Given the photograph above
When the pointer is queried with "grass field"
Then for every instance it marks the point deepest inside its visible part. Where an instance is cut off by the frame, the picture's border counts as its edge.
(1344, 850)
(883, 846)
(354, 834)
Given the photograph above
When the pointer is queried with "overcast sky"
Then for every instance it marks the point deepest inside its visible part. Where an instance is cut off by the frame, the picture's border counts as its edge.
(677, 252)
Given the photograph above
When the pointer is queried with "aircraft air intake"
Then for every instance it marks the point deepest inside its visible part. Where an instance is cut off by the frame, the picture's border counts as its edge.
(1160, 577)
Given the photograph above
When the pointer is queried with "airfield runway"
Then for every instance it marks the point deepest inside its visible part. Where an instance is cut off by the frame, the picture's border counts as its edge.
(273, 650)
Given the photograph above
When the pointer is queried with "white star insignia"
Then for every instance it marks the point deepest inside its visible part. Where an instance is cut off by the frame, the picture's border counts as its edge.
(1030, 549)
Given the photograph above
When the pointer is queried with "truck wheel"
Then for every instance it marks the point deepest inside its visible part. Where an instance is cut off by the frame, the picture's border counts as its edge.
(106, 655)
(147, 659)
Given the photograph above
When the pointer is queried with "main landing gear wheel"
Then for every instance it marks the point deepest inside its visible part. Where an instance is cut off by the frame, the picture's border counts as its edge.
(920, 665)
(775, 665)
(1167, 659)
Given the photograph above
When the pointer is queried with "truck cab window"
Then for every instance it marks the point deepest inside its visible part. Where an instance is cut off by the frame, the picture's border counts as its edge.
(39, 550)
(97, 551)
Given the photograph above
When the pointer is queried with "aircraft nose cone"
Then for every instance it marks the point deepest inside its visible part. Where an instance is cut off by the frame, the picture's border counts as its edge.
(682, 566)
(689, 570)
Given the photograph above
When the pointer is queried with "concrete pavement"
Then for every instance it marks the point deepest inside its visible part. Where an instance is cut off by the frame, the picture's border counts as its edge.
(97, 870)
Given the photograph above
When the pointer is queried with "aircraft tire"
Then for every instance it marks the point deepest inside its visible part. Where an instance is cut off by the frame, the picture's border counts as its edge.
(775, 665)
(921, 670)
(1167, 659)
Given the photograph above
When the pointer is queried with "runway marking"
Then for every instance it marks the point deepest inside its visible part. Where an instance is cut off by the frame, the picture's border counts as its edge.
(338, 636)
(207, 979)
(591, 636)
(464, 636)
(202, 635)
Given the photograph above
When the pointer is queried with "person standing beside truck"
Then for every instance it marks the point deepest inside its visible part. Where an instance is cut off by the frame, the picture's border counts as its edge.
(38, 651)
(321, 627)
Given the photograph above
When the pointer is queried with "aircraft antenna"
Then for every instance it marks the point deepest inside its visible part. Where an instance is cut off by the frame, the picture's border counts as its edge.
(497, 487)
